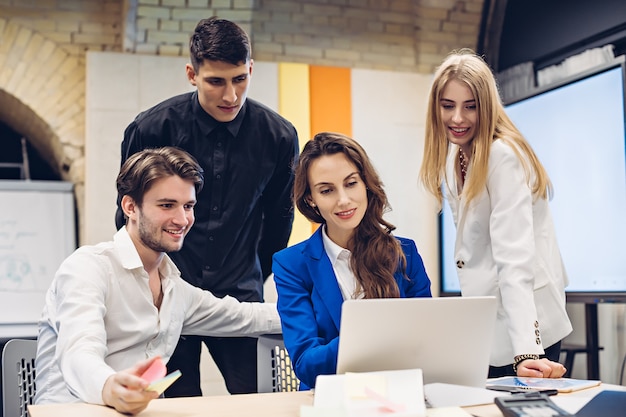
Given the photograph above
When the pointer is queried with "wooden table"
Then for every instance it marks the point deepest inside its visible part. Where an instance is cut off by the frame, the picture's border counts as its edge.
(285, 404)
(492, 410)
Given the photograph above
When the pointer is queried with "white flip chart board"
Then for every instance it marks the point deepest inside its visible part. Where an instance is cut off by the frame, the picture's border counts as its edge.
(37, 232)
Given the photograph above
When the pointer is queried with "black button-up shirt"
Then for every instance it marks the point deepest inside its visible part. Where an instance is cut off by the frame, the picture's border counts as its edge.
(244, 212)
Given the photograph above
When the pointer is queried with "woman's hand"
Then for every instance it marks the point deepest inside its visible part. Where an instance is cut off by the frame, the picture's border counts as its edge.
(540, 368)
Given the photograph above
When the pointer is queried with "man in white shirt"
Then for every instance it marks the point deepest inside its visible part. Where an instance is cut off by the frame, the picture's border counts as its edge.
(115, 307)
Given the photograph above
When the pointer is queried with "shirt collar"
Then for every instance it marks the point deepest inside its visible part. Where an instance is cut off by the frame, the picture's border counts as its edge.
(208, 123)
(129, 257)
(333, 250)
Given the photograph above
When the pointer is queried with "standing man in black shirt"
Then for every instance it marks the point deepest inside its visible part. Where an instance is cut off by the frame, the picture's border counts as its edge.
(244, 213)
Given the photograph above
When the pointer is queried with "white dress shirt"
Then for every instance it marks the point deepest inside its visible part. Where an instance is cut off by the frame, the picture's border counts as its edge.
(99, 318)
(340, 260)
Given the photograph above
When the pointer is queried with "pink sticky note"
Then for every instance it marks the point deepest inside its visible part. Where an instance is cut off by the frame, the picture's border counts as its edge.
(384, 401)
(156, 371)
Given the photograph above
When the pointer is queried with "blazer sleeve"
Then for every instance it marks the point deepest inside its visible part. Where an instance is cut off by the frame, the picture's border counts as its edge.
(418, 284)
(312, 344)
(513, 245)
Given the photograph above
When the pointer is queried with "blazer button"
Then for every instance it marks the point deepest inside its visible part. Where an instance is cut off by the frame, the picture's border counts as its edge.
(537, 332)
(538, 341)
(536, 324)
(460, 264)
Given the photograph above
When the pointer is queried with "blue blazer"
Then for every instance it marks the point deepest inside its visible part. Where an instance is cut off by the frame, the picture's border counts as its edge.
(309, 303)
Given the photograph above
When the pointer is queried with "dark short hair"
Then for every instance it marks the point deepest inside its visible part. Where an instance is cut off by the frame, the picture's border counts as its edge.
(143, 168)
(217, 39)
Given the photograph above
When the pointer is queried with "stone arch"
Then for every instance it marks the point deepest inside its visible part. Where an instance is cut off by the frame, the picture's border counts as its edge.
(42, 97)
(21, 118)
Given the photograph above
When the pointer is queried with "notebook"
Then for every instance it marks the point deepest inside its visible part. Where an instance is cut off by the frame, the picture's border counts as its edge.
(448, 338)
(528, 383)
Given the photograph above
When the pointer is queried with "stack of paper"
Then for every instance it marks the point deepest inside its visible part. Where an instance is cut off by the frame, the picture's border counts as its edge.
(450, 395)
(369, 394)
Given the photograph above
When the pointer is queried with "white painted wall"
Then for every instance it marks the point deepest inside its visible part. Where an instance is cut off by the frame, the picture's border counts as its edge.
(388, 116)
(119, 86)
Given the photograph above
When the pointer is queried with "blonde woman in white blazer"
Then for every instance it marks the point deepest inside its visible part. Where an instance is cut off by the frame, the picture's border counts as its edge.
(498, 192)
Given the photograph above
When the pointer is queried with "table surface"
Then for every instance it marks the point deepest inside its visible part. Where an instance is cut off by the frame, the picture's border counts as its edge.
(285, 404)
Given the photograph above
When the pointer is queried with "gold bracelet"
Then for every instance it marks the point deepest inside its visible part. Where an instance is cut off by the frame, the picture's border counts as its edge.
(520, 358)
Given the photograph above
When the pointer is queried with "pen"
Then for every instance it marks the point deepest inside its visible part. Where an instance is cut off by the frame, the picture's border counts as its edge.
(528, 388)
(548, 392)
(522, 389)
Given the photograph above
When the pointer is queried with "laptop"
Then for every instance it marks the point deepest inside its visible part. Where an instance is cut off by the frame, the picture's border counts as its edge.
(448, 338)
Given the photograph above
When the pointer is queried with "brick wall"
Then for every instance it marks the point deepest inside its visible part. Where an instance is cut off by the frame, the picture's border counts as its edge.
(74, 25)
(399, 35)
(43, 45)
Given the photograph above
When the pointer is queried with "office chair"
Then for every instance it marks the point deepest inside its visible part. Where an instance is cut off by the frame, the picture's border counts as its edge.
(570, 351)
(18, 377)
(274, 370)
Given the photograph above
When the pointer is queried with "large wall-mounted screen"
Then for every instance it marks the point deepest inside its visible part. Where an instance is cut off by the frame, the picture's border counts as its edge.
(577, 129)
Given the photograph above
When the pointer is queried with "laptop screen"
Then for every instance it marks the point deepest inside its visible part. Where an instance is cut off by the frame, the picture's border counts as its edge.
(449, 338)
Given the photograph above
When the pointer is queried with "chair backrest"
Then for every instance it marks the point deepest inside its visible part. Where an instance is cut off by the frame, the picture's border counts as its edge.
(274, 370)
(18, 377)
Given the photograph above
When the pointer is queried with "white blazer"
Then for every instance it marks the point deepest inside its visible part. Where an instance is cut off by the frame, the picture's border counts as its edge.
(506, 246)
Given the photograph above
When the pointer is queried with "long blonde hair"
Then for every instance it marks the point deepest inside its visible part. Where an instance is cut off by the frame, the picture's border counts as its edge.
(470, 69)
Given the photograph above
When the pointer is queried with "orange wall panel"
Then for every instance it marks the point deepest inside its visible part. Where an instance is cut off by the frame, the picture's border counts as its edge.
(331, 99)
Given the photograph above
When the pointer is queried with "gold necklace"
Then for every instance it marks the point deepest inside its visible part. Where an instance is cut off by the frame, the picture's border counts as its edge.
(463, 162)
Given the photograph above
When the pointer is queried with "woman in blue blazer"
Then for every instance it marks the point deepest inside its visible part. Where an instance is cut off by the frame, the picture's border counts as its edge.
(351, 255)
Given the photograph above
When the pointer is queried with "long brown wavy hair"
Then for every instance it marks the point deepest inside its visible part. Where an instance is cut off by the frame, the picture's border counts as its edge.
(376, 253)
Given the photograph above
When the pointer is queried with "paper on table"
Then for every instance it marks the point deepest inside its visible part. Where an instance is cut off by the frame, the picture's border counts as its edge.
(356, 383)
(449, 395)
(373, 394)
(570, 403)
(372, 386)
(447, 412)
(384, 402)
